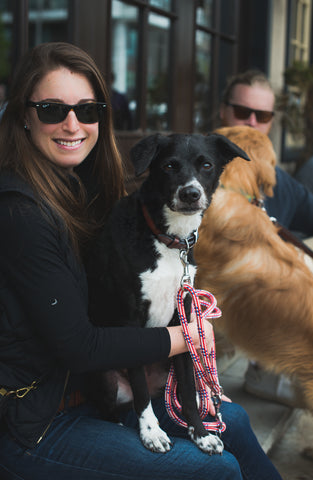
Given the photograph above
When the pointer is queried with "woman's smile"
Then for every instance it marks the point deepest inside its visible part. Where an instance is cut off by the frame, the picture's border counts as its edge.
(69, 143)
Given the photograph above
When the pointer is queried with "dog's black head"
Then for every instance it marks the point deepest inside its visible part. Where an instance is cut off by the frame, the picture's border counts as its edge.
(184, 169)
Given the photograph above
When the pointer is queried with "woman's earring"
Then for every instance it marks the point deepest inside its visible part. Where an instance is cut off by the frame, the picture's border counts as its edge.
(26, 127)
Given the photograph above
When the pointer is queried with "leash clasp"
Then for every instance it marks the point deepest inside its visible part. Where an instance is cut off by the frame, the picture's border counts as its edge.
(21, 392)
(217, 401)
(186, 278)
(183, 255)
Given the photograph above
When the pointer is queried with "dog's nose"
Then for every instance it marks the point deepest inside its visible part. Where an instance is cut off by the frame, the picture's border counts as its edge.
(189, 194)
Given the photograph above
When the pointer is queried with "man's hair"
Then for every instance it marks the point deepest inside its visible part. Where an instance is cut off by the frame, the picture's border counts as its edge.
(250, 78)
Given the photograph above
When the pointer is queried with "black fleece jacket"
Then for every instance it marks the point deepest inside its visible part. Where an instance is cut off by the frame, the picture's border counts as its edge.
(45, 332)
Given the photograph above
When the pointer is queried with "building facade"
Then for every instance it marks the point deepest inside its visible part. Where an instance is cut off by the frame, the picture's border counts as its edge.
(166, 61)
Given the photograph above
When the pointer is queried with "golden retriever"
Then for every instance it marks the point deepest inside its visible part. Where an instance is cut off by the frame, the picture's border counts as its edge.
(262, 284)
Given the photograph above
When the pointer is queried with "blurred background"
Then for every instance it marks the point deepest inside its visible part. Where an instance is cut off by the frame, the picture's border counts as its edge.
(167, 61)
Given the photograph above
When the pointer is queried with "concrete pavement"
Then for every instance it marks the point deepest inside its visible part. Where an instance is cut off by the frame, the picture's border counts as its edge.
(285, 434)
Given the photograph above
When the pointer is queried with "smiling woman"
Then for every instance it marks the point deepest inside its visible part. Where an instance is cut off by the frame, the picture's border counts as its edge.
(49, 140)
(59, 178)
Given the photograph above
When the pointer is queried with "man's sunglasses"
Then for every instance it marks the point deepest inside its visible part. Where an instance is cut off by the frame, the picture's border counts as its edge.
(49, 112)
(243, 113)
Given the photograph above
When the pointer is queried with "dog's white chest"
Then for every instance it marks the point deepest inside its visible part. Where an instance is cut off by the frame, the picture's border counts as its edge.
(161, 286)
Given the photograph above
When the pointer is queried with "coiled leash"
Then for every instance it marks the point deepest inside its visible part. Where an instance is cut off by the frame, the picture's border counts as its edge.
(205, 371)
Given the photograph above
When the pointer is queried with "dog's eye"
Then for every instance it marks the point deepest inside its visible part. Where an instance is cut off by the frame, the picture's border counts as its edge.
(170, 166)
(203, 163)
(207, 165)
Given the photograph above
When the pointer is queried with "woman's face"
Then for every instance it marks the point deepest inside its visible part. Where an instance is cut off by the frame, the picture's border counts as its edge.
(67, 143)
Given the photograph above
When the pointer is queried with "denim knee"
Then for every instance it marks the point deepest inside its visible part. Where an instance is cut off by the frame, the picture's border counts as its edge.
(231, 468)
(235, 415)
(236, 420)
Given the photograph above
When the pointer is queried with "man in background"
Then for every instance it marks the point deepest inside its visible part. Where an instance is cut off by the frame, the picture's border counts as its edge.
(249, 99)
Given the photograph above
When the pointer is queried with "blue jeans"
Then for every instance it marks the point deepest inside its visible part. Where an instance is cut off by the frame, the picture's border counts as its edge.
(81, 446)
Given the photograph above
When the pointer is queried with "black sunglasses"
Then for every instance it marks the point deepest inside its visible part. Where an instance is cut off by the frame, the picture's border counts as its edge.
(243, 113)
(49, 112)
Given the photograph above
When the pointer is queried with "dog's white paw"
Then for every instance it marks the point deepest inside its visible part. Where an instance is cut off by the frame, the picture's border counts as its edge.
(155, 439)
(152, 436)
(208, 443)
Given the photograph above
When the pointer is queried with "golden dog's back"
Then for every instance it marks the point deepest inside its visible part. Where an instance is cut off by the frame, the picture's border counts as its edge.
(261, 282)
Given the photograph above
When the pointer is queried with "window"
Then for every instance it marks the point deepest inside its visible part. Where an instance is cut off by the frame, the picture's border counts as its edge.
(124, 81)
(164, 4)
(140, 56)
(165, 61)
(203, 81)
(6, 31)
(300, 23)
(215, 57)
(297, 134)
(48, 21)
(158, 72)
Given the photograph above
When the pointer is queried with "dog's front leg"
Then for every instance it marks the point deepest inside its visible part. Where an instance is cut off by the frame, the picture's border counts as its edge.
(207, 442)
(152, 436)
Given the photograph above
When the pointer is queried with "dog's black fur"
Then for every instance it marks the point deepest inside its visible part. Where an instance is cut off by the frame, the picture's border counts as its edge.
(133, 270)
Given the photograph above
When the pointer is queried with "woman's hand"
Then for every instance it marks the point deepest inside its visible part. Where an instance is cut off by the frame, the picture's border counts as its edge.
(208, 332)
(178, 344)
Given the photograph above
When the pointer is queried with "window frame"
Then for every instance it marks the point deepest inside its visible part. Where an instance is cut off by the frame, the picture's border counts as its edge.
(217, 37)
(299, 44)
(92, 32)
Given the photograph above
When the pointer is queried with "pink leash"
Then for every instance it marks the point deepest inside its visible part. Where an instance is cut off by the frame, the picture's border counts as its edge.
(206, 378)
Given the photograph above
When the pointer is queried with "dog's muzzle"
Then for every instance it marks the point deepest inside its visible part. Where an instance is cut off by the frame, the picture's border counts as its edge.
(189, 200)
(189, 194)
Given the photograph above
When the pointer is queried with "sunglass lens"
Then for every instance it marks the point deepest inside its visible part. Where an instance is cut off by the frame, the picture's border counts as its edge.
(263, 116)
(242, 113)
(88, 113)
(51, 113)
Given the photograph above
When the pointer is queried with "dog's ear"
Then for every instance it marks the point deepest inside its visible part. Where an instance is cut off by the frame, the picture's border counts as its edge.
(144, 152)
(227, 148)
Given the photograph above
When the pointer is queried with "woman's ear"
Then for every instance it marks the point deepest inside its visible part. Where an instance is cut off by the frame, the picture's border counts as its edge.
(26, 122)
(27, 119)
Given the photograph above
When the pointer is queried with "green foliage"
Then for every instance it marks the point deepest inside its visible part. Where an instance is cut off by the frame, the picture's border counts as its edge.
(299, 74)
(297, 103)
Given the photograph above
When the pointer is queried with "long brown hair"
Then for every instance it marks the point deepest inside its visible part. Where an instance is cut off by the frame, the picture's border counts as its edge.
(50, 182)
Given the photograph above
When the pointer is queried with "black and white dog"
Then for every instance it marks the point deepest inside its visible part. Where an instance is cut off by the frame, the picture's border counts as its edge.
(137, 267)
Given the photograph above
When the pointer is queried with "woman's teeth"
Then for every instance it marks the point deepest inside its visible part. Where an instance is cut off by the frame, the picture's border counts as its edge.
(69, 144)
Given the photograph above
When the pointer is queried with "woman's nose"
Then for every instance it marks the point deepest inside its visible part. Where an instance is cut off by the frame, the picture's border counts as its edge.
(71, 123)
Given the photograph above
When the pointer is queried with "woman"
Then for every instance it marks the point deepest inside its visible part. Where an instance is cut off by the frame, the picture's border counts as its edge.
(56, 128)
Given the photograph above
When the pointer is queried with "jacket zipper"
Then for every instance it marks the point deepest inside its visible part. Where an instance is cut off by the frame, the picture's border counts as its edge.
(49, 424)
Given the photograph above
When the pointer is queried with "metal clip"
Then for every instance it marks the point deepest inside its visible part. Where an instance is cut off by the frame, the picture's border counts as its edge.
(186, 278)
(196, 235)
(220, 420)
(21, 392)
(217, 401)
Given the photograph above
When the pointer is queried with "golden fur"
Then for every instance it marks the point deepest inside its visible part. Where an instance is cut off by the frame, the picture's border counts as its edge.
(261, 283)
